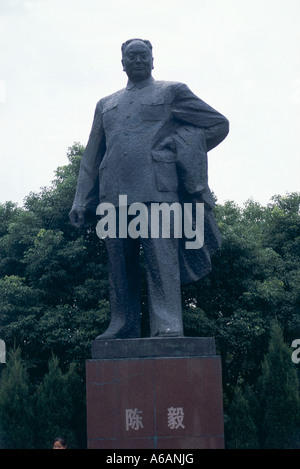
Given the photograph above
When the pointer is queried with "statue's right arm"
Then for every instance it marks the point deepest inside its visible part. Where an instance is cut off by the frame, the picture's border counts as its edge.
(87, 191)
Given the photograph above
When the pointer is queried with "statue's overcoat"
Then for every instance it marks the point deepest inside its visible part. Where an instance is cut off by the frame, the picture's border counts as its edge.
(149, 141)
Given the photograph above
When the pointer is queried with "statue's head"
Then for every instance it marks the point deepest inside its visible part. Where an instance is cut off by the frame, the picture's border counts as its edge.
(137, 59)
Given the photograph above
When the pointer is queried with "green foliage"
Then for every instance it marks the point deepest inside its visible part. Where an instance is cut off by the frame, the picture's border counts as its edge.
(266, 415)
(31, 417)
(241, 429)
(279, 393)
(53, 278)
(54, 292)
(255, 279)
(58, 405)
(16, 415)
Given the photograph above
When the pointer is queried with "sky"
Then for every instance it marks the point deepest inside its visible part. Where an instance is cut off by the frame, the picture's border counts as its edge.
(59, 57)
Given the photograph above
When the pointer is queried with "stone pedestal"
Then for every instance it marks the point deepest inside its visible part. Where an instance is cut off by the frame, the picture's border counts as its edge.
(154, 393)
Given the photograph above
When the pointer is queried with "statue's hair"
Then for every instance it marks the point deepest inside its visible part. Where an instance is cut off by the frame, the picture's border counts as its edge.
(126, 44)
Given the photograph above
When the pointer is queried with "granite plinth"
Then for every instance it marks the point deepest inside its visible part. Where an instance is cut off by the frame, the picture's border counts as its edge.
(171, 398)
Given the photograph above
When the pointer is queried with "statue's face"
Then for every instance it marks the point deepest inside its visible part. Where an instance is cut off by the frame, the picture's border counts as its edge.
(137, 61)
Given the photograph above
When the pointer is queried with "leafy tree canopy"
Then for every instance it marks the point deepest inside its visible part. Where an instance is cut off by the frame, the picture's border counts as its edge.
(54, 287)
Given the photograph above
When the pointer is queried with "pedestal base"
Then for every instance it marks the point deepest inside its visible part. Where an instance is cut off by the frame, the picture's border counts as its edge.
(170, 399)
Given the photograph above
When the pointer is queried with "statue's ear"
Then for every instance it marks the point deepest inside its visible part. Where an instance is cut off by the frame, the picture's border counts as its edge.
(123, 65)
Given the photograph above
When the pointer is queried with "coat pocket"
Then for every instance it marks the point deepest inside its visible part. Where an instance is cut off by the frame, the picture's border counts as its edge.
(165, 170)
(152, 110)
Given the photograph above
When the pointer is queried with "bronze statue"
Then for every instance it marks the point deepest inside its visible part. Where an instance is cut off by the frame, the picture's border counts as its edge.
(149, 142)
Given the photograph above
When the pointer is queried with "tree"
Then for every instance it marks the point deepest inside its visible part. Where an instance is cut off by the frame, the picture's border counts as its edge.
(279, 391)
(241, 429)
(53, 278)
(54, 283)
(16, 416)
(58, 406)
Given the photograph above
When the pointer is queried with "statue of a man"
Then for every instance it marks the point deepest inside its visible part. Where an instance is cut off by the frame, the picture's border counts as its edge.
(149, 142)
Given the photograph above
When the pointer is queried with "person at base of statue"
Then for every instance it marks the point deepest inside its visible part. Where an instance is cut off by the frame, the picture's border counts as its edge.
(59, 443)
